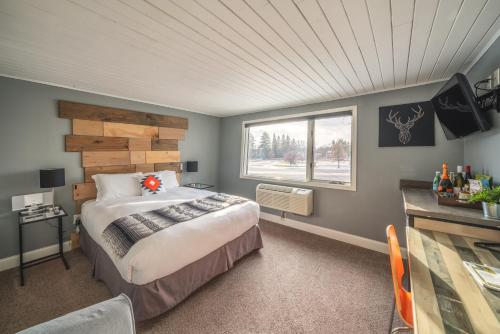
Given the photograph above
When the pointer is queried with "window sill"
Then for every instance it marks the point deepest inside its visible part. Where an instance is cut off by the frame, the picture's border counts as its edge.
(313, 184)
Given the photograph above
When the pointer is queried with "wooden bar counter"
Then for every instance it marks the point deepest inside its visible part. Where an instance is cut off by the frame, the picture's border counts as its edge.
(446, 298)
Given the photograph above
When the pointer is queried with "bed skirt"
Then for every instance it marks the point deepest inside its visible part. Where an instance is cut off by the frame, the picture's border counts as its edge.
(157, 297)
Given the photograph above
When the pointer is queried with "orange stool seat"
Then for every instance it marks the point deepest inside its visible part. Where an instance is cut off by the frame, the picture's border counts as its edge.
(403, 297)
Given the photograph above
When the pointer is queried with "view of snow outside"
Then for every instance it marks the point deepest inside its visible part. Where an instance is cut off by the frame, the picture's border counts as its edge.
(279, 150)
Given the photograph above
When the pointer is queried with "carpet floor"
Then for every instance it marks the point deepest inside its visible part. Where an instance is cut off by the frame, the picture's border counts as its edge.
(298, 283)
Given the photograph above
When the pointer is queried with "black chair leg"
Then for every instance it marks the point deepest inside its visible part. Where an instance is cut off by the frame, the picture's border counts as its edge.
(392, 316)
(397, 329)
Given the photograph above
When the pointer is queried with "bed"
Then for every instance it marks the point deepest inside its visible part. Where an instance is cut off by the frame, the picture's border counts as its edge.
(164, 268)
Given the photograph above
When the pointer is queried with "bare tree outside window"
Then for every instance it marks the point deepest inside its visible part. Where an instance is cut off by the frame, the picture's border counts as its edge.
(340, 150)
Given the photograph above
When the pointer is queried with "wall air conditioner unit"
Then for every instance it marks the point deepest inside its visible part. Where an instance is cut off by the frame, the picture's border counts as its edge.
(288, 199)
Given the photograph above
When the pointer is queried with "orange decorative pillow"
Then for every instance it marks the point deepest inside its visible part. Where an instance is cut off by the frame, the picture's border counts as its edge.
(151, 184)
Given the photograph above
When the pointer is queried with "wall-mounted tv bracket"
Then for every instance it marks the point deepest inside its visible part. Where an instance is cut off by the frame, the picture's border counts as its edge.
(488, 100)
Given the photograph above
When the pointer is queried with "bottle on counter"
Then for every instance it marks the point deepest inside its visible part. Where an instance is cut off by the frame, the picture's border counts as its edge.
(452, 178)
(468, 174)
(435, 182)
(458, 183)
(445, 185)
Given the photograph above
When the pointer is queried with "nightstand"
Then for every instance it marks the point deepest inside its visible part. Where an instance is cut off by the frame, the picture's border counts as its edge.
(41, 215)
(198, 185)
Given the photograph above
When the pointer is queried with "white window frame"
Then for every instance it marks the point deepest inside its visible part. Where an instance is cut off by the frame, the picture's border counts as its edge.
(312, 182)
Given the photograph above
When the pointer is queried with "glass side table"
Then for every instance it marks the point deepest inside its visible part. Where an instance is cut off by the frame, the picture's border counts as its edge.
(43, 215)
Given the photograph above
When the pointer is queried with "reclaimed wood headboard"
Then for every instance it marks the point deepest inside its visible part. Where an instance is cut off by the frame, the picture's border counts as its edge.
(115, 140)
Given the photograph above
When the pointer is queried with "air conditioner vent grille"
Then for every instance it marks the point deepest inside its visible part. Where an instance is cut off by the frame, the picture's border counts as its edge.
(288, 199)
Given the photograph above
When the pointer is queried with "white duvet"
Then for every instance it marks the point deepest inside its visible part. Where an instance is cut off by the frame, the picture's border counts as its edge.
(173, 248)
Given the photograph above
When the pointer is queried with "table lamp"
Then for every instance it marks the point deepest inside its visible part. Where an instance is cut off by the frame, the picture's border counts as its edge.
(51, 178)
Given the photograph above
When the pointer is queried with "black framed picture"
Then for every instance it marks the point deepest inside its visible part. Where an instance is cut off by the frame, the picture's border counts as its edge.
(406, 125)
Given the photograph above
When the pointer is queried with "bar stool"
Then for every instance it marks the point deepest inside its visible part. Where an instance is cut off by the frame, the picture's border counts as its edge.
(403, 297)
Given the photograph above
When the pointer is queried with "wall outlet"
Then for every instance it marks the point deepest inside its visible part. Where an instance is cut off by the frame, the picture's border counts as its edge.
(496, 78)
(76, 218)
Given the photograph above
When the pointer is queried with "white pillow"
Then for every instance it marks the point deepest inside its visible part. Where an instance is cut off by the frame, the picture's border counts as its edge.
(169, 179)
(116, 185)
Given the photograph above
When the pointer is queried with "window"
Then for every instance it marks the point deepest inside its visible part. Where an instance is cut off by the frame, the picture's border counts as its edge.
(317, 149)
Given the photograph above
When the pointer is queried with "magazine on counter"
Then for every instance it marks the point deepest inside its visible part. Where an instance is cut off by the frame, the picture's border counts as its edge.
(484, 275)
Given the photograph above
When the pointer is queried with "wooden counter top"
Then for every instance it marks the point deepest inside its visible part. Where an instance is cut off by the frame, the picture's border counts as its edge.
(446, 299)
(422, 203)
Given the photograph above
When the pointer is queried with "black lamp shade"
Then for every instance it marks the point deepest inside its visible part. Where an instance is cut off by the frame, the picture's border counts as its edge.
(192, 166)
(52, 177)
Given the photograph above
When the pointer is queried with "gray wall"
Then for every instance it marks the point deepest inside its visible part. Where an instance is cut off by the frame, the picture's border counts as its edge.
(32, 137)
(481, 150)
(377, 201)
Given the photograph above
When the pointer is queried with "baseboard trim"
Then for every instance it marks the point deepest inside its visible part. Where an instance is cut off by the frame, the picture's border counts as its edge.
(352, 239)
(13, 261)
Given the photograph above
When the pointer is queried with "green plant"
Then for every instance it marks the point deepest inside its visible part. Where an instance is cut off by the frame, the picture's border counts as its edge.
(487, 195)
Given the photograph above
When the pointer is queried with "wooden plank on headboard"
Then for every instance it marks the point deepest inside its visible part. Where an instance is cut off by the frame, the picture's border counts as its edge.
(169, 133)
(153, 157)
(74, 110)
(145, 168)
(137, 157)
(139, 144)
(78, 205)
(96, 143)
(84, 191)
(100, 143)
(89, 171)
(105, 158)
(130, 130)
(174, 166)
(164, 145)
(87, 128)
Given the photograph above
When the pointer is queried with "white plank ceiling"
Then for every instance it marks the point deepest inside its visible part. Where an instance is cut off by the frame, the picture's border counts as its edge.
(227, 57)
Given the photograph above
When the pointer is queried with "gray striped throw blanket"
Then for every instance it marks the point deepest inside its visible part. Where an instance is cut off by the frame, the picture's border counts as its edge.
(124, 232)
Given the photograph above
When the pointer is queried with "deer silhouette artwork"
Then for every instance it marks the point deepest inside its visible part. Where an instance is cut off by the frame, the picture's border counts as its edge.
(404, 127)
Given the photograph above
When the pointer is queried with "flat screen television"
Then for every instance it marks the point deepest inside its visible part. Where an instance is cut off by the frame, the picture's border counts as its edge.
(457, 110)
